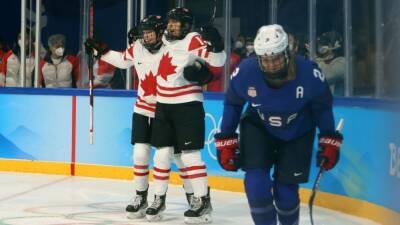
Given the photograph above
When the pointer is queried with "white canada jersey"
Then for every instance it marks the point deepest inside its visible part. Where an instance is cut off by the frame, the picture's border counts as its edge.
(146, 65)
(172, 87)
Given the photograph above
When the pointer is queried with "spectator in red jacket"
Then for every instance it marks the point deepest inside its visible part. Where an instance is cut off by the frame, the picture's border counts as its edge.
(57, 68)
(10, 64)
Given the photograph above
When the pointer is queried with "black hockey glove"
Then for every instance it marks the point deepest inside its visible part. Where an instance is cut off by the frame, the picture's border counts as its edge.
(133, 35)
(213, 37)
(96, 48)
(198, 72)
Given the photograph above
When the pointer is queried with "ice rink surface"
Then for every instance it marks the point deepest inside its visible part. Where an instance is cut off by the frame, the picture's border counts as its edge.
(36, 199)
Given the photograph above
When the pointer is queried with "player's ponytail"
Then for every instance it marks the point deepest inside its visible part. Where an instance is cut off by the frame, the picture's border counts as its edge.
(292, 67)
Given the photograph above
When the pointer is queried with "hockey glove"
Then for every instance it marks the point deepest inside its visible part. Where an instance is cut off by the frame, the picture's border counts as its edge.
(133, 35)
(213, 37)
(96, 48)
(228, 153)
(198, 72)
(328, 149)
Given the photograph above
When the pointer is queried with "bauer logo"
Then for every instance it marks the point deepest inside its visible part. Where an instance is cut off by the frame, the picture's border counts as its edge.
(394, 152)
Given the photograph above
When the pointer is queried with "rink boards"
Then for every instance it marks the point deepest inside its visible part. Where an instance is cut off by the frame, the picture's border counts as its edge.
(47, 131)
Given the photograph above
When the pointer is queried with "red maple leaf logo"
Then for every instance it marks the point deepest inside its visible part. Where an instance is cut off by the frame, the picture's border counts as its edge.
(166, 68)
(149, 84)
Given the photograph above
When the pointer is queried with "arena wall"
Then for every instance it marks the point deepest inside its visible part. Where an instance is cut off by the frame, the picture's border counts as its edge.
(47, 131)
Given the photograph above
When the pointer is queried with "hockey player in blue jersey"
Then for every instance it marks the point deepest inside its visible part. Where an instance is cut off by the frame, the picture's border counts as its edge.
(287, 99)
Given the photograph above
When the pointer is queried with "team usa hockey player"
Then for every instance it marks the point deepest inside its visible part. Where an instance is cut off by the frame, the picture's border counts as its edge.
(179, 118)
(288, 98)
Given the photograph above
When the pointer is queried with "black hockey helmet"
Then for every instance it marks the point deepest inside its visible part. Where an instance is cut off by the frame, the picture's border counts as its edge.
(185, 17)
(157, 24)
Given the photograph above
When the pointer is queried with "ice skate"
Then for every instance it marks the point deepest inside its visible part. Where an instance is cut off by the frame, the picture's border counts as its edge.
(137, 209)
(154, 212)
(200, 211)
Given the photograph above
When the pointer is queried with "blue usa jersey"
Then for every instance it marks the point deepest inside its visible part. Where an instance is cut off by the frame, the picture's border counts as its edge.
(300, 105)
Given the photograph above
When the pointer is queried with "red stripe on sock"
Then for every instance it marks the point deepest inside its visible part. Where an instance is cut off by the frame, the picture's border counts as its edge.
(192, 168)
(161, 170)
(194, 176)
(160, 178)
(141, 174)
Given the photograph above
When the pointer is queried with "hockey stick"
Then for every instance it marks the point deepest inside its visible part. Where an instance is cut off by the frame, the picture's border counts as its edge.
(214, 13)
(319, 176)
(91, 77)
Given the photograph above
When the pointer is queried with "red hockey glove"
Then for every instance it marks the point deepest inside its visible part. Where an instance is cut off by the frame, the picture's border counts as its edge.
(228, 151)
(329, 150)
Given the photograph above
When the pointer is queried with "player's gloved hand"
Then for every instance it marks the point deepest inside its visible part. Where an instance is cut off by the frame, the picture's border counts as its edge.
(198, 72)
(95, 47)
(228, 153)
(213, 37)
(328, 149)
(133, 35)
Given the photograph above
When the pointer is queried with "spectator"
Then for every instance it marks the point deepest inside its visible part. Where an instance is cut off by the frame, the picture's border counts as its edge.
(239, 46)
(103, 73)
(10, 66)
(250, 47)
(3, 50)
(217, 83)
(331, 61)
(57, 69)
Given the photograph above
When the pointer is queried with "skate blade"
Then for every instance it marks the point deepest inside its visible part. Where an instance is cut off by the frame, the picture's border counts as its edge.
(154, 218)
(206, 218)
(136, 215)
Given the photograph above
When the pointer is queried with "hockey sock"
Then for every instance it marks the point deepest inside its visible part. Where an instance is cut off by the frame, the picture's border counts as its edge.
(162, 169)
(258, 184)
(287, 202)
(195, 172)
(141, 158)
(186, 182)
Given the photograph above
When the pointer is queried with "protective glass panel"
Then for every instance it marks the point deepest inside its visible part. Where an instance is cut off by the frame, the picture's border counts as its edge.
(330, 44)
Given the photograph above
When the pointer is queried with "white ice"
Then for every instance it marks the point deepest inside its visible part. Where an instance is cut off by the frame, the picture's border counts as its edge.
(37, 199)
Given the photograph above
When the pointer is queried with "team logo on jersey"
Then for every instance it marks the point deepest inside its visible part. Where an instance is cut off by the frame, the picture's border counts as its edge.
(252, 92)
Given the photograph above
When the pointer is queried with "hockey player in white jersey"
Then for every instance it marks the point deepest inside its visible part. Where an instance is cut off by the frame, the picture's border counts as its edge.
(144, 54)
(179, 118)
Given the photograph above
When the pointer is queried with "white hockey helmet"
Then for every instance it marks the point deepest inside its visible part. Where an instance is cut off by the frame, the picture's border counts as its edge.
(270, 40)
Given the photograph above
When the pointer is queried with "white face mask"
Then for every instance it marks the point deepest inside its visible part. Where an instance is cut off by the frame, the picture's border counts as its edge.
(250, 48)
(291, 47)
(59, 51)
(20, 43)
(323, 49)
(238, 44)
